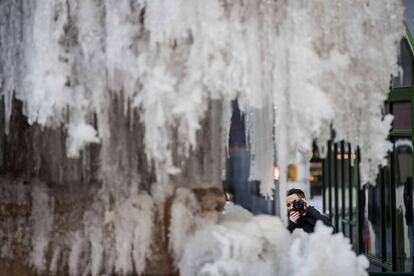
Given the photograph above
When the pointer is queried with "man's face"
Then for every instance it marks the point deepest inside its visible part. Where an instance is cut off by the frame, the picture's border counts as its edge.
(289, 202)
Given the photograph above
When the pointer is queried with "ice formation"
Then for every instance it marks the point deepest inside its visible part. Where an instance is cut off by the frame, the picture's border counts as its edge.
(42, 218)
(319, 63)
(107, 70)
(261, 134)
(184, 220)
(307, 254)
(263, 246)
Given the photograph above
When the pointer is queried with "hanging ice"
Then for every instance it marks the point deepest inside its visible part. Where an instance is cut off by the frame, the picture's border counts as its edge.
(148, 79)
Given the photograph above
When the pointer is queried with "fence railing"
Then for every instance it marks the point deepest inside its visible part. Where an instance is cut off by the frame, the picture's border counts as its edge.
(390, 273)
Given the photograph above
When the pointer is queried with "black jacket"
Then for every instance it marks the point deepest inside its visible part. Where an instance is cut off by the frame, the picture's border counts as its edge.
(308, 221)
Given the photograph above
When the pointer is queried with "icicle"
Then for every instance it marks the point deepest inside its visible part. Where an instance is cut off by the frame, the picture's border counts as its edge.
(186, 52)
(261, 150)
(321, 63)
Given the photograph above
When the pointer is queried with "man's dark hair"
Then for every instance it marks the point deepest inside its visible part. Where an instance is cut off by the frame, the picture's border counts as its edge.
(298, 192)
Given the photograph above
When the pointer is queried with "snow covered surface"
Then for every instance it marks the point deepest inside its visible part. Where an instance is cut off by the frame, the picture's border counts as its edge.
(308, 254)
(319, 63)
(234, 212)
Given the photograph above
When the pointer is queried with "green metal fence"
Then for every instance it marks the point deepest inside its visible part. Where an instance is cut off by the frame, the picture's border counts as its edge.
(390, 273)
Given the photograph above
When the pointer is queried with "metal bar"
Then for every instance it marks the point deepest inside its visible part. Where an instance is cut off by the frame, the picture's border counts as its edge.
(360, 218)
(382, 216)
(343, 184)
(2, 133)
(393, 206)
(330, 180)
(390, 273)
(324, 176)
(400, 133)
(410, 40)
(379, 263)
(347, 221)
(400, 94)
(336, 187)
(393, 215)
(351, 186)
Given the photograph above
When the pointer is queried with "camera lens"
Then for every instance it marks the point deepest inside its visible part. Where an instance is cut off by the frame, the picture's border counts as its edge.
(299, 206)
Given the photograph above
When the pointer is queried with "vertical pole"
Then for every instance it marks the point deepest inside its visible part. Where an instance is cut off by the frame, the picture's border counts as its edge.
(393, 214)
(330, 180)
(351, 186)
(343, 216)
(2, 132)
(409, 38)
(393, 207)
(383, 216)
(324, 176)
(360, 217)
(336, 187)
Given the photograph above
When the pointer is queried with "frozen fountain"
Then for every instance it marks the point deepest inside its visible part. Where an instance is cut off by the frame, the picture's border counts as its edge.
(109, 106)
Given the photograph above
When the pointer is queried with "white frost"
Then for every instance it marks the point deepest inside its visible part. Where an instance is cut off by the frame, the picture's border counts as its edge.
(80, 135)
(42, 221)
(319, 63)
(133, 222)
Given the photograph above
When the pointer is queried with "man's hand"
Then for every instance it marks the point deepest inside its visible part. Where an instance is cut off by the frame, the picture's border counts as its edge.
(293, 217)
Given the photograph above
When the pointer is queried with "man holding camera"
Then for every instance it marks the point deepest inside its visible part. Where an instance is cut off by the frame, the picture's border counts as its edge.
(301, 215)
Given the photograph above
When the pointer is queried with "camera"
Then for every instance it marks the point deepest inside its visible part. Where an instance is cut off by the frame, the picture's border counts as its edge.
(298, 206)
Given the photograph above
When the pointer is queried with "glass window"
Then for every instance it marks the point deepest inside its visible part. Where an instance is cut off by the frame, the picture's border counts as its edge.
(404, 204)
(404, 60)
(402, 115)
